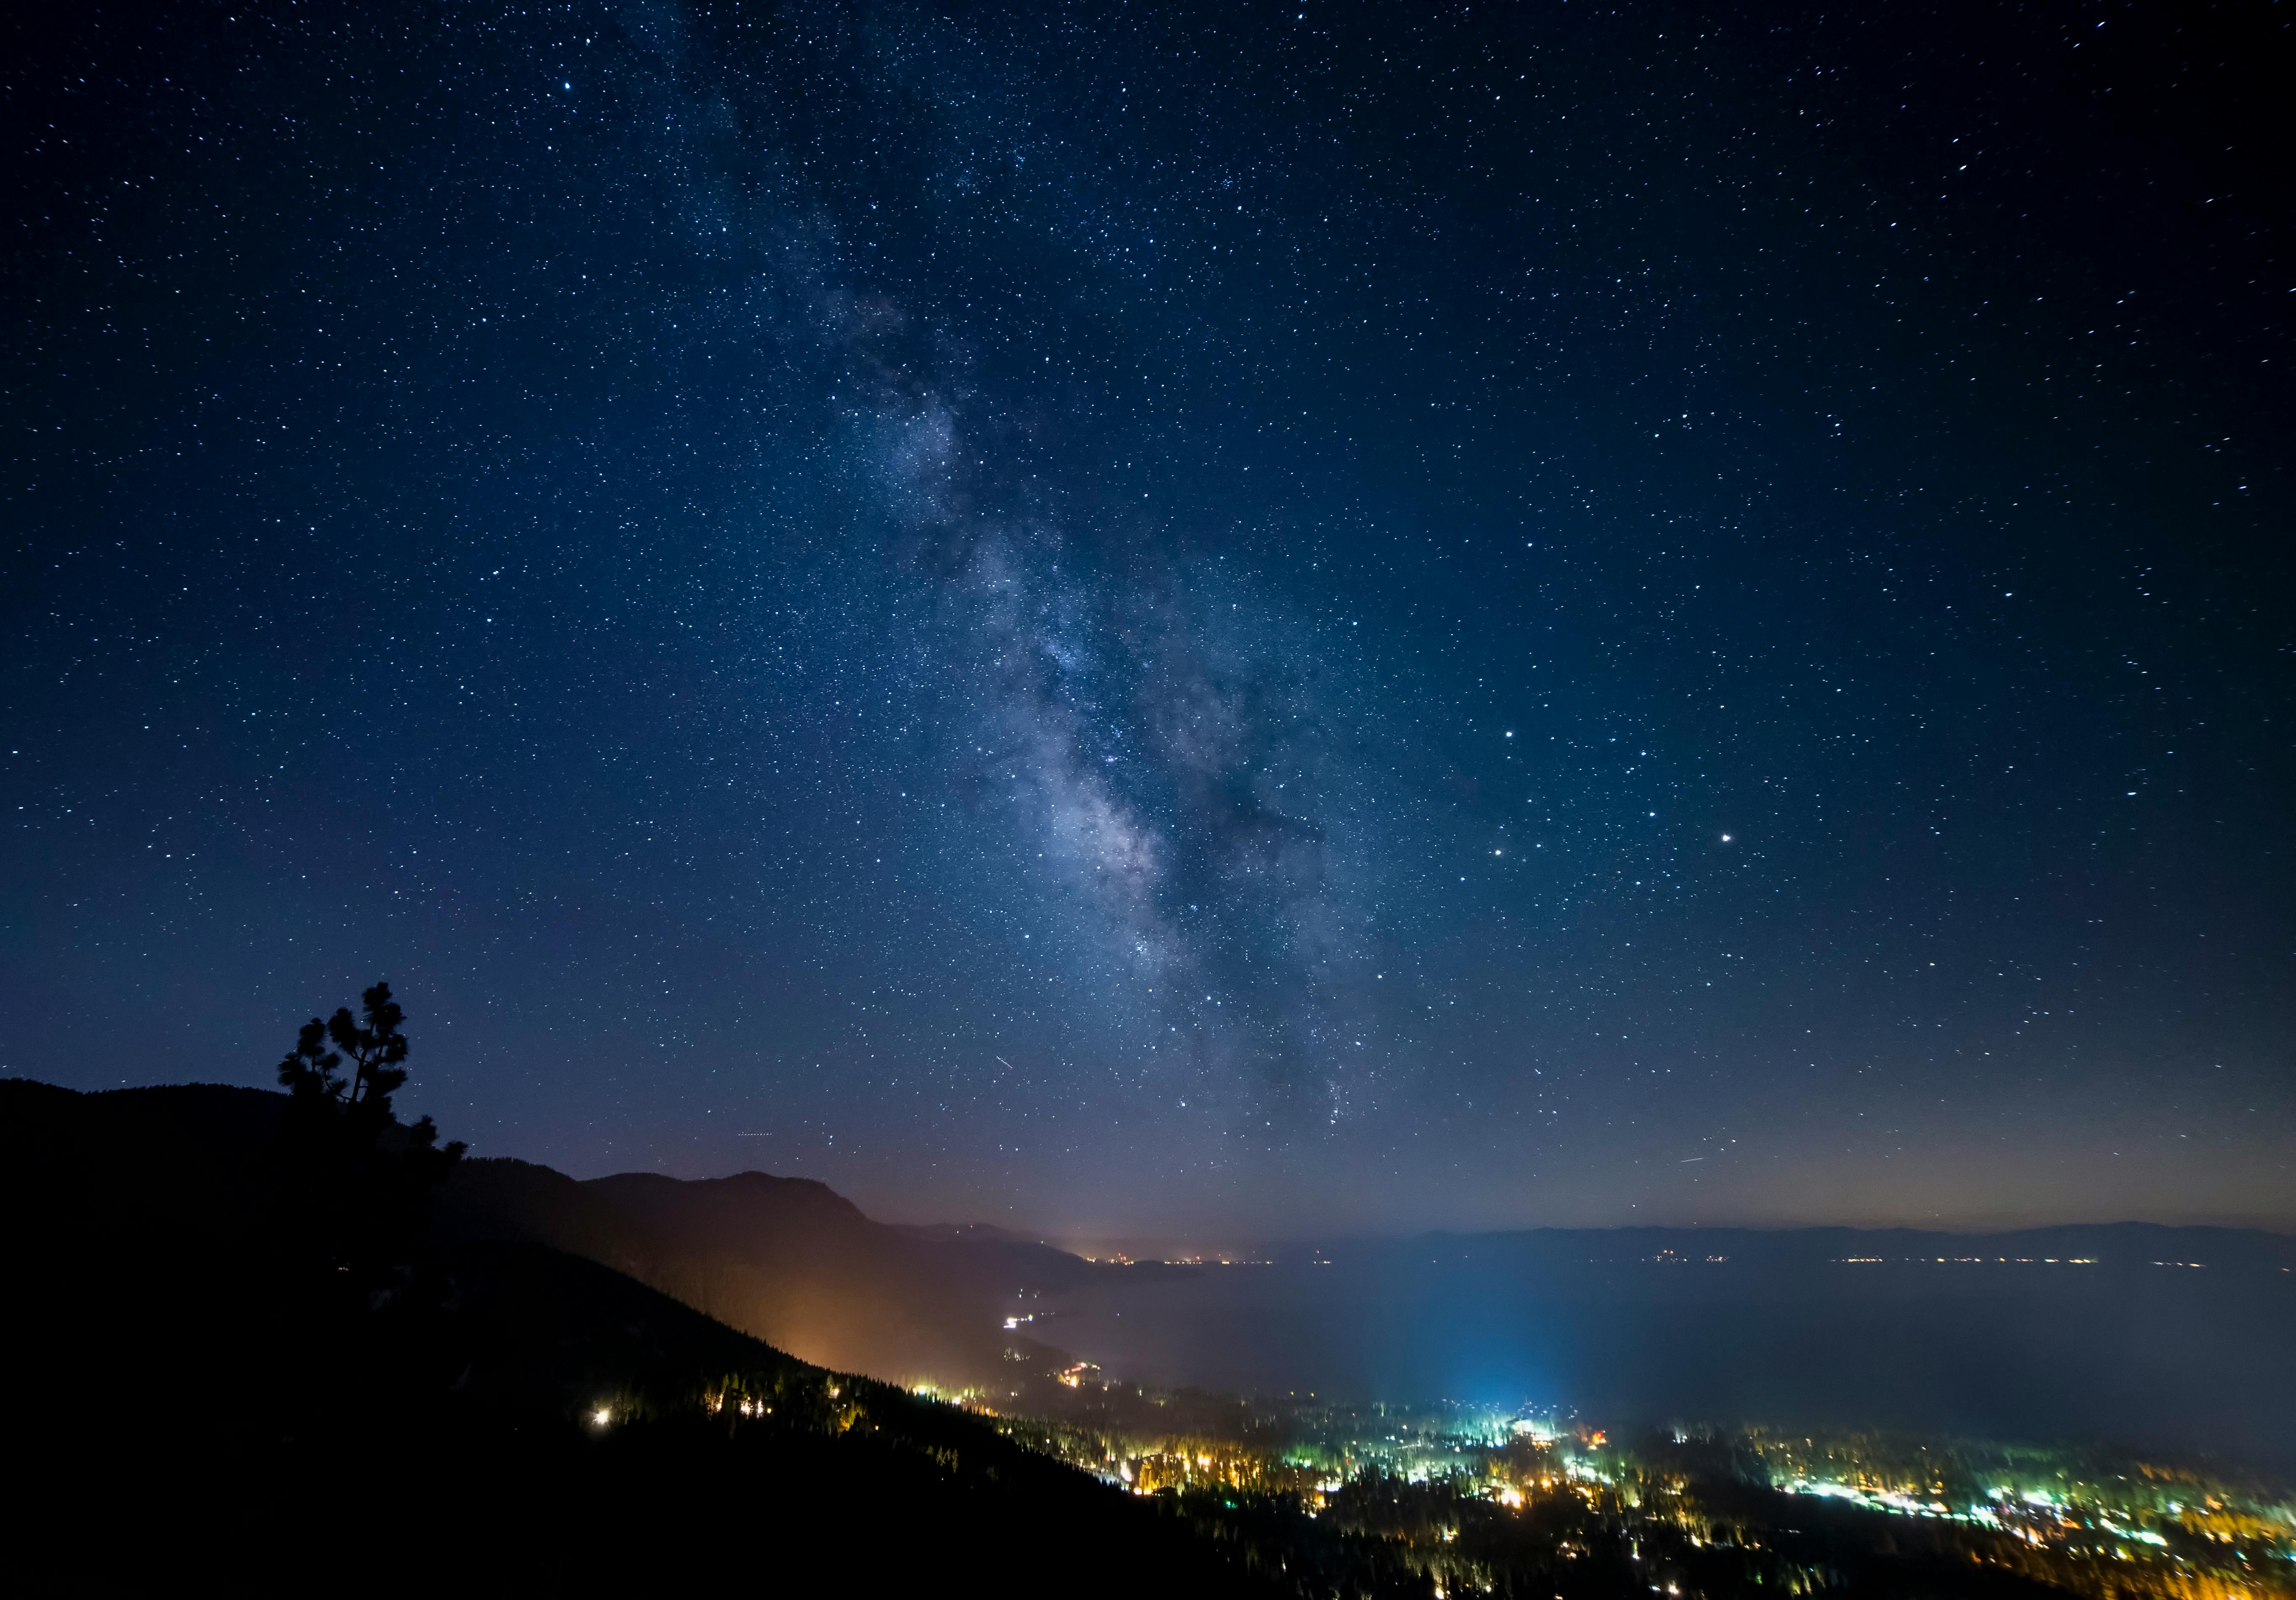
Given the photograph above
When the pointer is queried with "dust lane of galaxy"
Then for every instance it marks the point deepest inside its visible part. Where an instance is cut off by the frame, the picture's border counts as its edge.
(1183, 619)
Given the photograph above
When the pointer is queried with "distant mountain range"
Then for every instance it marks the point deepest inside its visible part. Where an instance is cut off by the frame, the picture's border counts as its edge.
(786, 1260)
(794, 1263)
(2115, 1245)
(790, 1261)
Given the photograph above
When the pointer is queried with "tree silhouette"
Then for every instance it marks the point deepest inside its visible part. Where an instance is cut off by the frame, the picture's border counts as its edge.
(363, 1182)
(374, 1047)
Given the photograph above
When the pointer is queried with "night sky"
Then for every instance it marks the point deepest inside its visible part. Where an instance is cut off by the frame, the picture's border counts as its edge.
(1133, 617)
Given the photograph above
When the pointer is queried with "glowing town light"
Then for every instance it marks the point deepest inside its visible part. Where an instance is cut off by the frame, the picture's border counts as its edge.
(601, 1416)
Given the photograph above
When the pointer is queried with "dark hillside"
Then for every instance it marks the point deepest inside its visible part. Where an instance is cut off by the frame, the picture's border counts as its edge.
(720, 1451)
(794, 1262)
(504, 1405)
(787, 1260)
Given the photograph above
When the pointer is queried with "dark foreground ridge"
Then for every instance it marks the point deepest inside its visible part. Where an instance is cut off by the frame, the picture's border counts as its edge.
(503, 1405)
(214, 1374)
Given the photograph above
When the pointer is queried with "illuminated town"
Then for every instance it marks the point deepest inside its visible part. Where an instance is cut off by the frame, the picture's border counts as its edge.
(1479, 1501)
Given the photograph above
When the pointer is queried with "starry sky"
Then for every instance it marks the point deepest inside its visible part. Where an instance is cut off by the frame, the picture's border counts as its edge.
(1166, 618)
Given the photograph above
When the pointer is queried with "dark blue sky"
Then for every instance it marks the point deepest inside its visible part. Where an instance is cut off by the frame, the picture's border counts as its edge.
(1136, 618)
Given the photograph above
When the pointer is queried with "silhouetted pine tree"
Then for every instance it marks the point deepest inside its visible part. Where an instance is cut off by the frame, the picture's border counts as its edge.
(358, 1182)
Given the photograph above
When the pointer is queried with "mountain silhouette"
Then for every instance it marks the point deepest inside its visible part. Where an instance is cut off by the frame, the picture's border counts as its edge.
(786, 1260)
(191, 1396)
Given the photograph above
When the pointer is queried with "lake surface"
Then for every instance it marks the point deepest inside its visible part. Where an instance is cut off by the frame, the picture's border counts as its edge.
(2115, 1349)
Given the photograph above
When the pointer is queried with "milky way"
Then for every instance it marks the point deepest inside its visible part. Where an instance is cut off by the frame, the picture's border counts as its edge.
(1176, 619)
